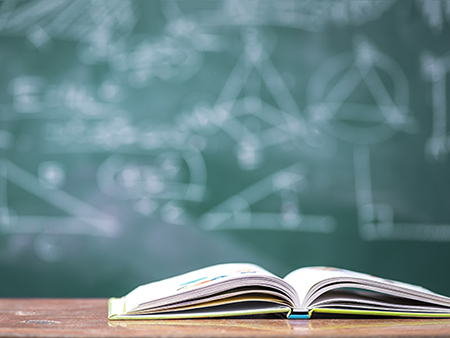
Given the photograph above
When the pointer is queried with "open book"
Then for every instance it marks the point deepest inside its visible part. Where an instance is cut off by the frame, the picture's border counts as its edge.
(246, 289)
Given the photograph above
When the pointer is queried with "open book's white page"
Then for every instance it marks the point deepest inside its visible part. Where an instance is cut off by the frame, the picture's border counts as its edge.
(374, 301)
(302, 280)
(190, 281)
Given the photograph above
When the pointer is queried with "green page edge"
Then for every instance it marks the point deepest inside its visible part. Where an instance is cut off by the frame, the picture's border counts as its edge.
(378, 313)
(114, 303)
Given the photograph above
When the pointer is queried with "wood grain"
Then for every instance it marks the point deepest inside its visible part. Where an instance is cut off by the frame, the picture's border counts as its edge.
(88, 318)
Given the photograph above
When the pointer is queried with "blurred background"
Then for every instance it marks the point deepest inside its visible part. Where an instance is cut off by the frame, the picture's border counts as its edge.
(144, 139)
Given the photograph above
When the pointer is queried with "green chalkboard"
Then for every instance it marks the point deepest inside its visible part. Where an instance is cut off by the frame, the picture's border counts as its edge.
(144, 139)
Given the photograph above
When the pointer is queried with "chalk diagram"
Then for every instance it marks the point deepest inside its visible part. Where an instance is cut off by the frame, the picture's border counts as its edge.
(283, 123)
(334, 105)
(331, 106)
(277, 124)
(236, 212)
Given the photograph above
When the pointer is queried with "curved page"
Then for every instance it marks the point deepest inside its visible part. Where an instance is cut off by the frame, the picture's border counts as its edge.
(305, 279)
(189, 285)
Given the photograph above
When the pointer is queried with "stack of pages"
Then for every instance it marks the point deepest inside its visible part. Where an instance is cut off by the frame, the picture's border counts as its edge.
(228, 290)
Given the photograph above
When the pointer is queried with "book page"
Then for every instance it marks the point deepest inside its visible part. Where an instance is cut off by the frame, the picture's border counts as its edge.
(235, 309)
(303, 279)
(367, 300)
(191, 281)
(253, 298)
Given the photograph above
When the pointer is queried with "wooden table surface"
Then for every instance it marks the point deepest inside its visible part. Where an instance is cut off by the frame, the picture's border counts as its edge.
(88, 318)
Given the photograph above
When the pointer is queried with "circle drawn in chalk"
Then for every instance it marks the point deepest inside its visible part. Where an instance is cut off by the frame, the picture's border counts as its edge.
(360, 97)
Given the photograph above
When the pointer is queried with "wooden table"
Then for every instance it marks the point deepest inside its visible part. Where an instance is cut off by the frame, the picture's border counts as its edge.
(87, 318)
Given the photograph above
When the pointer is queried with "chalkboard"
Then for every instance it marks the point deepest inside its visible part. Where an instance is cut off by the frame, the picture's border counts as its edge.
(144, 139)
